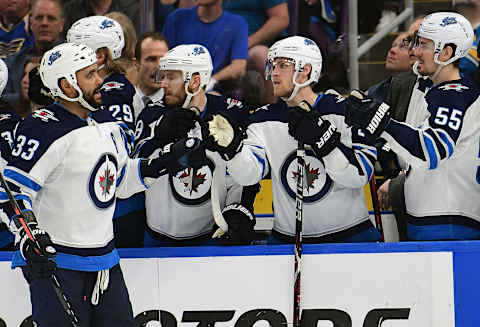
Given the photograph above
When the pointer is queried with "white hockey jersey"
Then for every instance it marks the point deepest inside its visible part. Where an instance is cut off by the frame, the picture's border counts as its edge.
(442, 153)
(333, 196)
(70, 171)
(179, 206)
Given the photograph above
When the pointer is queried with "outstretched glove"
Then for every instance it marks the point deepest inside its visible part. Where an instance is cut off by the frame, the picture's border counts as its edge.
(174, 157)
(174, 125)
(241, 223)
(221, 134)
(369, 115)
(311, 129)
(39, 254)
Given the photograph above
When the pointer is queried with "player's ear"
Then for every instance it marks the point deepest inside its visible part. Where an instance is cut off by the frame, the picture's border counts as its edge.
(304, 74)
(67, 88)
(446, 53)
(195, 82)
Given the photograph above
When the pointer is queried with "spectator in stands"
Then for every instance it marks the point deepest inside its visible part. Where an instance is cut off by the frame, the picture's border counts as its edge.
(76, 9)
(266, 20)
(46, 24)
(150, 47)
(127, 60)
(470, 9)
(24, 106)
(224, 35)
(14, 31)
(164, 7)
(397, 61)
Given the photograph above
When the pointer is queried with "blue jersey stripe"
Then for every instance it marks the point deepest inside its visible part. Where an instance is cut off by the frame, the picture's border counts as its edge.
(431, 152)
(25, 181)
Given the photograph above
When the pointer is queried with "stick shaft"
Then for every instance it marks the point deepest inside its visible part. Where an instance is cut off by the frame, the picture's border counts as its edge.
(376, 206)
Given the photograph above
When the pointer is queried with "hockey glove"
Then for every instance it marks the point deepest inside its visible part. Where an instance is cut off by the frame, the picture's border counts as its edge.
(174, 125)
(240, 222)
(174, 157)
(39, 254)
(387, 159)
(222, 135)
(311, 129)
(367, 114)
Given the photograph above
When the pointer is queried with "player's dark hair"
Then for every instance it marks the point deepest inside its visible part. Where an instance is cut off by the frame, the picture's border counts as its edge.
(156, 36)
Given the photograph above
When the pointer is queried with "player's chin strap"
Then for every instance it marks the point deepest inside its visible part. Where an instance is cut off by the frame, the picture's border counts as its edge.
(189, 96)
(441, 65)
(297, 87)
(101, 285)
(79, 98)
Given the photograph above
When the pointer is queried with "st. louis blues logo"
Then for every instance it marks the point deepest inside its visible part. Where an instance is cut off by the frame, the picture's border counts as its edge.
(198, 51)
(316, 182)
(53, 56)
(454, 87)
(448, 21)
(45, 115)
(106, 24)
(103, 180)
(113, 85)
(192, 186)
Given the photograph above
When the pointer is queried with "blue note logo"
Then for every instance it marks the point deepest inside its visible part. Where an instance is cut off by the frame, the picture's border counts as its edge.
(198, 51)
(106, 24)
(448, 21)
(53, 56)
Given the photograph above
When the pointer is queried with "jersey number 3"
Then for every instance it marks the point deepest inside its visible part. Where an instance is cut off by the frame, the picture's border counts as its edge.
(25, 148)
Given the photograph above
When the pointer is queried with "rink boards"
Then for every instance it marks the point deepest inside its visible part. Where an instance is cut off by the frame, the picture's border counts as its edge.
(408, 284)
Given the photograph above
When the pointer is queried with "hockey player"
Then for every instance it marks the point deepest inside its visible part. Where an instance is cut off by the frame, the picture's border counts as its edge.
(68, 170)
(339, 161)
(179, 206)
(442, 150)
(8, 121)
(105, 36)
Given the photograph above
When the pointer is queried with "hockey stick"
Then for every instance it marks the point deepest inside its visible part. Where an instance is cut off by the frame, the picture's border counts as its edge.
(299, 226)
(376, 206)
(56, 285)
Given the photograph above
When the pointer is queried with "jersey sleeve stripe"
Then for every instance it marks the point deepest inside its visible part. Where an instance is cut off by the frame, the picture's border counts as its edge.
(21, 179)
(447, 140)
(366, 164)
(431, 152)
(261, 161)
(438, 143)
(121, 175)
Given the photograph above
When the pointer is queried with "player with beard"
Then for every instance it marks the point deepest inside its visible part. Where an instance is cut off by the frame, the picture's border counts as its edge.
(339, 160)
(65, 171)
(179, 206)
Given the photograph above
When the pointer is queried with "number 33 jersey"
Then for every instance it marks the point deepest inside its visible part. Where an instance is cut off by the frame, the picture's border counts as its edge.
(69, 171)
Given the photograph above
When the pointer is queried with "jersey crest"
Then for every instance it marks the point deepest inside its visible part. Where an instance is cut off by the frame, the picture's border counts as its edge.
(192, 186)
(113, 85)
(317, 184)
(102, 183)
(234, 102)
(45, 115)
(5, 116)
(454, 86)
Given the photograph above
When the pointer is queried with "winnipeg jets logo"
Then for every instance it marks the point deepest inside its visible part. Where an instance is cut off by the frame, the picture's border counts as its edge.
(198, 51)
(192, 186)
(233, 103)
(53, 56)
(112, 86)
(45, 115)
(448, 21)
(311, 175)
(317, 184)
(453, 86)
(106, 181)
(192, 179)
(102, 182)
(308, 42)
(106, 24)
(5, 116)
